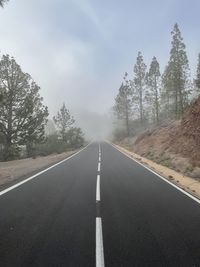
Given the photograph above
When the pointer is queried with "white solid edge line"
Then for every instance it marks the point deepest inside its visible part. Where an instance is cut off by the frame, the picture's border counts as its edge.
(164, 179)
(39, 173)
(99, 244)
(98, 188)
(99, 166)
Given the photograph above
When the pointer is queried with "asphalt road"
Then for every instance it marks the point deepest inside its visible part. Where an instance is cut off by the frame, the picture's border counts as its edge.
(98, 207)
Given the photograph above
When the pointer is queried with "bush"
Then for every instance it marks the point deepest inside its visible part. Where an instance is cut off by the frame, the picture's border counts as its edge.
(75, 138)
(11, 153)
(50, 146)
(119, 134)
(53, 144)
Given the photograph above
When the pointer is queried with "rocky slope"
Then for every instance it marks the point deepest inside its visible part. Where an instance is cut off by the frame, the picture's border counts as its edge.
(175, 145)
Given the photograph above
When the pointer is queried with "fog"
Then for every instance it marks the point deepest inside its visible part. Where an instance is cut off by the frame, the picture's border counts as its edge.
(78, 50)
(95, 126)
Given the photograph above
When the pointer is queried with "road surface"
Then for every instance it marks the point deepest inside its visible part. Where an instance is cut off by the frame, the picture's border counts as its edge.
(98, 208)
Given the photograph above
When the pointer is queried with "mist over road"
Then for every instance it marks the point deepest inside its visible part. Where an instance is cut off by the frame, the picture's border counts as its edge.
(98, 208)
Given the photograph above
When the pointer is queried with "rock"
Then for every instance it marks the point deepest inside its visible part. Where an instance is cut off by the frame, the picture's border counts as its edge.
(196, 173)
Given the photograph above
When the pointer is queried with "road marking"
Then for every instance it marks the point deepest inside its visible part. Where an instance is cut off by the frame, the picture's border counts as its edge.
(39, 173)
(98, 188)
(99, 167)
(99, 234)
(99, 244)
(161, 177)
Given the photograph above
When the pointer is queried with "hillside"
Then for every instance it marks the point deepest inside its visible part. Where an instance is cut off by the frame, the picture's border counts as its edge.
(176, 144)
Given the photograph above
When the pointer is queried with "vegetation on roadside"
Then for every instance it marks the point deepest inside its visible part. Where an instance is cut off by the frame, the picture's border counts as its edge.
(158, 114)
(161, 158)
(151, 98)
(23, 118)
(22, 113)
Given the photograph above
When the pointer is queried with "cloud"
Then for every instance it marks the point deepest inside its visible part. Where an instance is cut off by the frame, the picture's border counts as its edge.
(86, 7)
(78, 50)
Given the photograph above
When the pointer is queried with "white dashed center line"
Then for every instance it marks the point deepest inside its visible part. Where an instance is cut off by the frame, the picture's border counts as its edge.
(98, 188)
(99, 166)
(99, 233)
(99, 244)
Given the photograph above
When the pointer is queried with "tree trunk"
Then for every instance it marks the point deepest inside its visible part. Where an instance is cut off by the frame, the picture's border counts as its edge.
(127, 122)
(8, 155)
(176, 103)
(141, 106)
(156, 104)
(181, 102)
(29, 149)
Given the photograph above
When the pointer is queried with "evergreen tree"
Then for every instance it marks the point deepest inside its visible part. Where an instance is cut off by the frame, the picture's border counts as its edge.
(123, 104)
(63, 121)
(139, 85)
(176, 74)
(50, 128)
(167, 95)
(153, 77)
(75, 137)
(197, 80)
(36, 120)
(22, 113)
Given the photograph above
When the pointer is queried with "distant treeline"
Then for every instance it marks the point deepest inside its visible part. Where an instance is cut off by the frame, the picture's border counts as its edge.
(23, 117)
(151, 97)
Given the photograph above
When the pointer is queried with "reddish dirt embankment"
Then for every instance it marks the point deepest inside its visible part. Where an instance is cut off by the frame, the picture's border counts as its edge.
(175, 145)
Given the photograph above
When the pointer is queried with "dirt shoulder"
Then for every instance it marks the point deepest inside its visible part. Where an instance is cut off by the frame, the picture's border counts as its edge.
(13, 170)
(186, 183)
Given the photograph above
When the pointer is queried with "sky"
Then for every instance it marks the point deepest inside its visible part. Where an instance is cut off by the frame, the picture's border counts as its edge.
(79, 50)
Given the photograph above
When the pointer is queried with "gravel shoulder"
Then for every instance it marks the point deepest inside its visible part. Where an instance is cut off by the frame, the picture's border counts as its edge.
(13, 170)
(188, 184)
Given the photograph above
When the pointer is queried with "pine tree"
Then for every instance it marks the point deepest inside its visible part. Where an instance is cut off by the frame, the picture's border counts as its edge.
(197, 80)
(63, 121)
(153, 77)
(139, 85)
(22, 113)
(123, 104)
(75, 137)
(176, 74)
(36, 120)
(167, 96)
